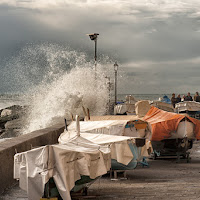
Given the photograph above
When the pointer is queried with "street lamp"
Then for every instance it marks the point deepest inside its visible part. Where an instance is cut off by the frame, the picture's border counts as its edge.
(93, 37)
(115, 69)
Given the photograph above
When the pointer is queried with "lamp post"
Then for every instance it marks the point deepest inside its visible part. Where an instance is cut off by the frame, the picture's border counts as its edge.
(93, 37)
(115, 69)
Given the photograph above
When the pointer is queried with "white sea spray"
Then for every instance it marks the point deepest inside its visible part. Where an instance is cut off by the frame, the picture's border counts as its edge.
(66, 96)
(62, 91)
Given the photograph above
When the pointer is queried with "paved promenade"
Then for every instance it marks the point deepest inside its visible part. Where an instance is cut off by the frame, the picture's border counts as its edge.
(163, 180)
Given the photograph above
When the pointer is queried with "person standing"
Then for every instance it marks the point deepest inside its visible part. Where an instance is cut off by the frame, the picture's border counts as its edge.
(178, 98)
(173, 100)
(197, 97)
(188, 97)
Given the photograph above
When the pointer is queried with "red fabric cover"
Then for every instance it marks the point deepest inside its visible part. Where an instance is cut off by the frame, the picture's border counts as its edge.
(163, 122)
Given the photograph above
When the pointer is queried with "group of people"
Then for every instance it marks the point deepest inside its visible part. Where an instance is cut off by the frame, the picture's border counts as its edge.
(178, 99)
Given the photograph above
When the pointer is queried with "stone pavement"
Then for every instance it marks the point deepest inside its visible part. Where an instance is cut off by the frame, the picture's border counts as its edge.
(14, 193)
(163, 180)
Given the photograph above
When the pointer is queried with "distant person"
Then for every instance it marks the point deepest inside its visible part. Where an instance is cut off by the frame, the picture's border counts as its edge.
(188, 97)
(178, 98)
(197, 97)
(173, 100)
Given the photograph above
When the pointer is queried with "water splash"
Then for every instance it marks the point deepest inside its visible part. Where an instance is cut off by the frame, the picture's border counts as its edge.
(60, 82)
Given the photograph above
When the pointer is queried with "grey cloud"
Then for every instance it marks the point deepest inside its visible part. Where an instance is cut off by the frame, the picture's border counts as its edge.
(130, 32)
(165, 78)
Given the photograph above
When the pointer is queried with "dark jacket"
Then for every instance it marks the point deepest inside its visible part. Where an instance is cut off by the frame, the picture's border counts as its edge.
(173, 101)
(197, 99)
(188, 98)
(178, 99)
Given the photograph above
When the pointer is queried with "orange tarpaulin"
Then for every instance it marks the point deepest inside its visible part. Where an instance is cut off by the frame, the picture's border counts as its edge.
(163, 123)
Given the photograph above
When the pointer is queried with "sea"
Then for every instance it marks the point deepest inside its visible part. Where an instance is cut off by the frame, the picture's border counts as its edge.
(7, 100)
(151, 97)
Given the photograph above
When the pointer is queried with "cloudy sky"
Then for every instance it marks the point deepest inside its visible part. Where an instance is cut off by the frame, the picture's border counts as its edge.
(156, 42)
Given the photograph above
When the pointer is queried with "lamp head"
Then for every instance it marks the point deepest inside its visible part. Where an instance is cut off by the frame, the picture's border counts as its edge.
(93, 36)
(115, 66)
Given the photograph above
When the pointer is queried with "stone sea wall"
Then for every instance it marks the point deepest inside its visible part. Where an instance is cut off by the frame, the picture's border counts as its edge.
(9, 147)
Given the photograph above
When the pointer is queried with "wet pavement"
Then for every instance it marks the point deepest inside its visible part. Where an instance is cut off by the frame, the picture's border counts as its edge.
(14, 193)
(163, 179)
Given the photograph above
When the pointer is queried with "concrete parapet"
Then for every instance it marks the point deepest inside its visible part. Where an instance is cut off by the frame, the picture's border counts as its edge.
(22, 143)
